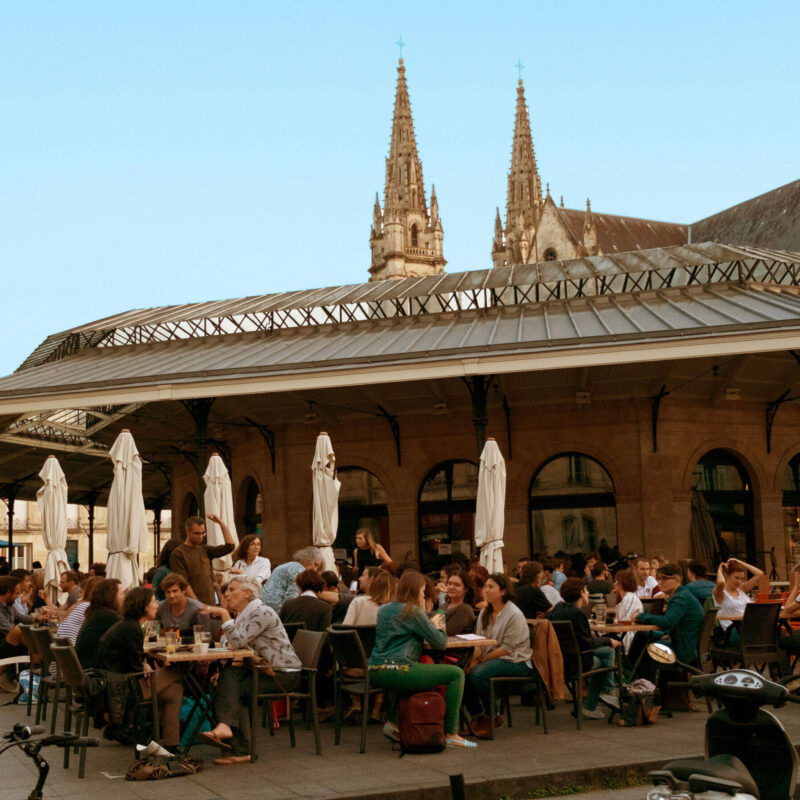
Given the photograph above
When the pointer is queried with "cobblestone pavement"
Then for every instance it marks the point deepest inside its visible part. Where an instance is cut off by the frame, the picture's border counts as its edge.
(517, 761)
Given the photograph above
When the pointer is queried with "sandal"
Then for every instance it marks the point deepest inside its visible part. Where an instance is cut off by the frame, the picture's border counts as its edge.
(228, 760)
(207, 737)
(453, 742)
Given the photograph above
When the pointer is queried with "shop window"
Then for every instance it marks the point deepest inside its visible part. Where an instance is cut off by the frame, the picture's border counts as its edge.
(791, 511)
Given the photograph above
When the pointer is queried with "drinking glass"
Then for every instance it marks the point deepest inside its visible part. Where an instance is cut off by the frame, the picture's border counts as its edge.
(151, 630)
(199, 630)
(172, 641)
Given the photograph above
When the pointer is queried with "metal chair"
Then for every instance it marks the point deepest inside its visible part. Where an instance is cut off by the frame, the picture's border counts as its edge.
(27, 638)
(574, 671)
(291, 629)
(758, 639)
(42, 639)
(653, 605)
(349, 654)
(308, 645)
(507, 687)
(365, 632)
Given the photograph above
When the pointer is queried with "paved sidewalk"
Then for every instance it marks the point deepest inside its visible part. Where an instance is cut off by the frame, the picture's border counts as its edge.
(517, 762)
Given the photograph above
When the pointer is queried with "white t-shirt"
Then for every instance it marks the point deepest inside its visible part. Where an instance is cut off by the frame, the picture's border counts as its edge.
(647, 590)
(259, 570)
(363, 610)
(731, 606)
(628, 608)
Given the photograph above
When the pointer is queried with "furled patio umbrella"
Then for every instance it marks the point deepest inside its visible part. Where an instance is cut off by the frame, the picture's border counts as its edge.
(326, 498)
(127, 524)
(490, 507)
(218, 500)
(52, 500)
(703, 533)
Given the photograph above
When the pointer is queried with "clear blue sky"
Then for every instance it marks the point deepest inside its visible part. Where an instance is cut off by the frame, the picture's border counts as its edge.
(163, 152)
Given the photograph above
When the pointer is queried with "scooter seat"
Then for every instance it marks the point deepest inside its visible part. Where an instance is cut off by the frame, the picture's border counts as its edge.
(723, 766)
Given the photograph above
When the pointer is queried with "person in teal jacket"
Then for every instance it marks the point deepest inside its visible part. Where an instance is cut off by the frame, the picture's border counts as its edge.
(402, 629)
(684, 615)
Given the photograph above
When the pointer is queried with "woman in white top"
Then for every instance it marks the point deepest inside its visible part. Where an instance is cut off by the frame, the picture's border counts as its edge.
(248, 563)
(730, 593)
(363, 610)
(630, 605)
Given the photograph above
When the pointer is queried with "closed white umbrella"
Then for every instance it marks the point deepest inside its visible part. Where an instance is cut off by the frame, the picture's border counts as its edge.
(326, 498)
(218, 500)
(490, 508)
(52, 500)
(127, 524)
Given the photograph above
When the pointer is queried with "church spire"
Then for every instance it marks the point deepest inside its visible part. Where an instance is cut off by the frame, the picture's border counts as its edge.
(411, 241)
(589, 232)
(524, 197)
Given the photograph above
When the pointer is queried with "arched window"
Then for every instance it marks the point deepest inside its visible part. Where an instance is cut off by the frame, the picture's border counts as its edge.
(572, 506)
(550, 254)
(791, 511)
(190, 508)
(253, 508)
(362, 504)
(447, 512)
(725, 485)
(414, 235)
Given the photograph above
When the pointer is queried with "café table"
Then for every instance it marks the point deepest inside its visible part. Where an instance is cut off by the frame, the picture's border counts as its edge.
(184, 657)
(621, 627)
(460, 642)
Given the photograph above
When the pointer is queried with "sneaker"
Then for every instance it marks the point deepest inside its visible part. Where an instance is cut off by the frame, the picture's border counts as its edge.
(594, 713)
(610, 700)
(391, 732)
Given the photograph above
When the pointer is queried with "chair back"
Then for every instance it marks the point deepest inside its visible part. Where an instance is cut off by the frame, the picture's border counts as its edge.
(28, 640)
(292, 628)
(42, 639)
(347, 649)
(61, 640)
(365, 632)
(611, 600)
(571, 653)
(704, 640)
(69, 667)
(652, 605)
(759, 633)
(308, 646)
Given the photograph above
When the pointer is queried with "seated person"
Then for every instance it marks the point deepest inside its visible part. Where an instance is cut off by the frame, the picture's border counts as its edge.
(308, 608)
(364, 608)
(576, 597)
(11, 644)
(103, 612)
(459, 613)
(70, 583)
(504, 622)
(402, 629)
(791, 643)
(258, 627)
(681, 622)
(600, 584)
(179, 612)
(547, 583)
(629, 606)
(337, 594)
(531, 600)
(730, 593)
(281, 586)
(646, 584)
(248, 561)
(699, 584)
(122, 651)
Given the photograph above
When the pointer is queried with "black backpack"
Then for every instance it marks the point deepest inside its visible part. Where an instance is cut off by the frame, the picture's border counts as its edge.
(421, 723)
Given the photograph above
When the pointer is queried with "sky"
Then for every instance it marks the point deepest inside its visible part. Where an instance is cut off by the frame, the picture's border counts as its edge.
(154, 153)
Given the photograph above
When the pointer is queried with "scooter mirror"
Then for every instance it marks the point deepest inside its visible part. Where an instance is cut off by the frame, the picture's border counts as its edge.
(661, 653)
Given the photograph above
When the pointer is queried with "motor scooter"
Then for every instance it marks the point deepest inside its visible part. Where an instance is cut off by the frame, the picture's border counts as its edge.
(749, 755)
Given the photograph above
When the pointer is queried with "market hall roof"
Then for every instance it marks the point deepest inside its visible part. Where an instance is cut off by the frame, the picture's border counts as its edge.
(646, 305)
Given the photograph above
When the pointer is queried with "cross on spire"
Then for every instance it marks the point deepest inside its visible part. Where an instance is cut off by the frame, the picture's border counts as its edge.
(401, 44)
(520, 66)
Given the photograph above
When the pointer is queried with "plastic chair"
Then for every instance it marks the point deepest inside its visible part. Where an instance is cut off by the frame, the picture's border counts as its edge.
(308, 646)
(758, 639)
(349, 654)
(507, 687)
(291, 629)
(574, 672)
(653, 605)
(365, 632)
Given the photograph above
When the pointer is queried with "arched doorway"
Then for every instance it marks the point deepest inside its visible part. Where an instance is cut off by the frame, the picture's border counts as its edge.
(726, 487)
(362, 504)
(447, 512)
(253, 508)
(791, 511)
(572, 506)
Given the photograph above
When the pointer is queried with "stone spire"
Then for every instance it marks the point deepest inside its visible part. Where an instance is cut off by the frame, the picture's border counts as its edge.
(589, 232)
(410, 242)
(524, 198)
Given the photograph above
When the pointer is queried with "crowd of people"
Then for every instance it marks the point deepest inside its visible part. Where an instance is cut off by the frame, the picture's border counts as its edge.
(250, 604)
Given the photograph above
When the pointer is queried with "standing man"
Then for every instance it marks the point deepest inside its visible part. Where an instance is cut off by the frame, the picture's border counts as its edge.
(647, 585)
(193, 558)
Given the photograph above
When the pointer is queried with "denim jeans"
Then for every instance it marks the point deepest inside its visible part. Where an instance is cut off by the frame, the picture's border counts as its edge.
(477, 690)
(602, 657)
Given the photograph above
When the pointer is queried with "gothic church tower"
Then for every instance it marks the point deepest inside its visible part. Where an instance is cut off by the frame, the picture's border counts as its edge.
(524, 205)
(406, 238)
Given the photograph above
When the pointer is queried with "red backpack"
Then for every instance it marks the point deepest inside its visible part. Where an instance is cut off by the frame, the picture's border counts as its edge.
(421, 723)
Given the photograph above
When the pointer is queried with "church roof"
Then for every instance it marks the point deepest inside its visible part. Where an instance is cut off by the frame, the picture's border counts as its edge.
(769, 220)
(621, 234)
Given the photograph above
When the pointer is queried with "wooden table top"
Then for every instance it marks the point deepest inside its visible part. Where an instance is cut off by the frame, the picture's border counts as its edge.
(220, 654)
(454, 643)
(636, 627)
(740, 617)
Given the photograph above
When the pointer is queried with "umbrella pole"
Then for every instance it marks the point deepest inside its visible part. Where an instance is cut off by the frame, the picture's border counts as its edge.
(156, 532)
(91, 530)
(12, 498)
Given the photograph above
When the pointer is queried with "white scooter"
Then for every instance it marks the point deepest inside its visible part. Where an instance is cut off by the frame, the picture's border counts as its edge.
(749, 755)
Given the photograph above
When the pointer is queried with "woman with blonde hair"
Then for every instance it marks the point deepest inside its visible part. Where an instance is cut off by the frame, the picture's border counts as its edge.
(363, 610)
(368, 552)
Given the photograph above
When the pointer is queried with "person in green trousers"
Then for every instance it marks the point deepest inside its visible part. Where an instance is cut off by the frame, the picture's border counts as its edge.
(401, 630)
